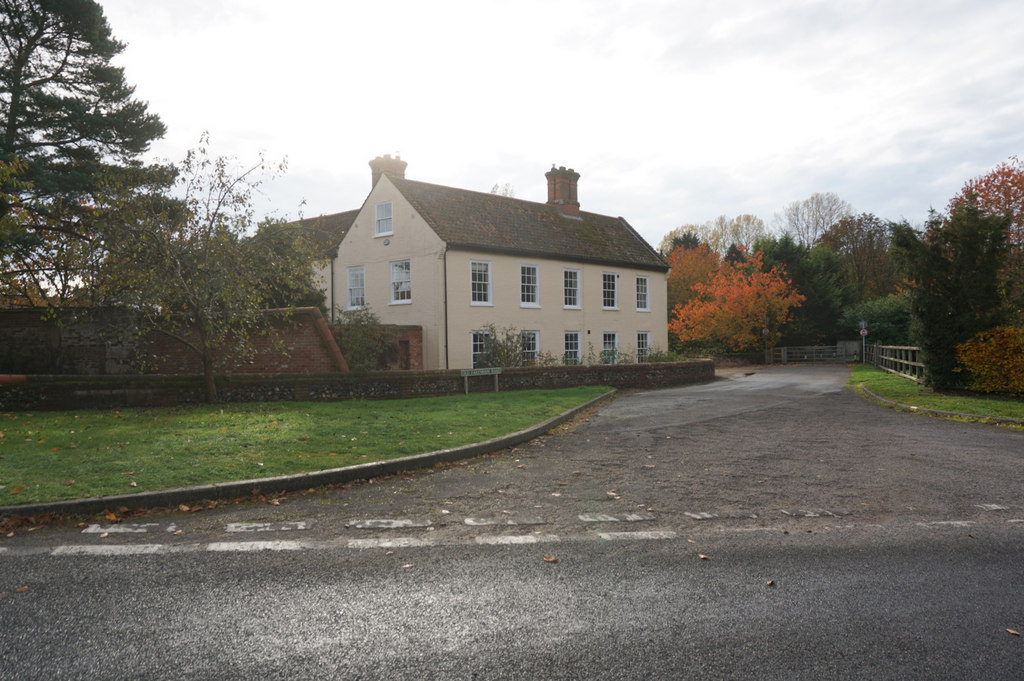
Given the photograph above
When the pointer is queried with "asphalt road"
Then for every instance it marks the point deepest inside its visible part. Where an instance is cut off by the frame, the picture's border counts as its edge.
(765, 526)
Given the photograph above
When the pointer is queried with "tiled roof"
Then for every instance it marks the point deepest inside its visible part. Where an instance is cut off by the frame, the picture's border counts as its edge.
(327, 231)
(469, 220)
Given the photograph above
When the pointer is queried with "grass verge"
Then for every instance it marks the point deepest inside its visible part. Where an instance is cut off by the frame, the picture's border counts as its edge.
(904, 391)
(50, 456)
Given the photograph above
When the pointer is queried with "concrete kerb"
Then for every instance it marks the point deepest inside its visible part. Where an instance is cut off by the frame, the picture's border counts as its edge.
(291, 483)
(938, 412)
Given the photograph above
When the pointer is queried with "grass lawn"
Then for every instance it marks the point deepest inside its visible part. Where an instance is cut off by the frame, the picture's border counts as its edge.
(48, 456)
(905, 391)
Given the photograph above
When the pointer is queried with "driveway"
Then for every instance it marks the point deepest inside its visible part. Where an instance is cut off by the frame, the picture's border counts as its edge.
(777, 447)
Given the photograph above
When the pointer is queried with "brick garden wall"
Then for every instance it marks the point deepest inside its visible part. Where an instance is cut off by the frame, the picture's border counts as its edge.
(102, 342)
(104, 392)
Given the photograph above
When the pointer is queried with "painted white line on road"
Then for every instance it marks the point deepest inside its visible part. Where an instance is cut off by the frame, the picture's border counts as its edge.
(606, 518)
(481, 522)
(119, 549)
(701, 516)
(498, 540)
(654, 534)
(389, 524)
(248, 546)
(265, 527)
(122, 528)
(947, 523)
(393, 543)
(991, 507)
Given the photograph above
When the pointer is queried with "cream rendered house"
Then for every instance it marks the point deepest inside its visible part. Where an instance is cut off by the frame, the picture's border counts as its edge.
(577, 285)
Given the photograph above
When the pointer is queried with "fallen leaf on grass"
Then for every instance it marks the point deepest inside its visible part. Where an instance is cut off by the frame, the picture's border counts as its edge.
(18, 490)
(550, 559)
(68, 483)
(133, 484)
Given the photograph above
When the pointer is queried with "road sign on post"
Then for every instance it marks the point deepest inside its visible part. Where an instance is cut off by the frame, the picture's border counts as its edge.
(489, 371)
(863, 341)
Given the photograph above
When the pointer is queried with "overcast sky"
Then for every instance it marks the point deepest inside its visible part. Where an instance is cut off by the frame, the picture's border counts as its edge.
(672, 111)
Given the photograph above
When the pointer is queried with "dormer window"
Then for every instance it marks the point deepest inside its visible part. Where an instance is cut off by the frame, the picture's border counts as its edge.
(383, 224)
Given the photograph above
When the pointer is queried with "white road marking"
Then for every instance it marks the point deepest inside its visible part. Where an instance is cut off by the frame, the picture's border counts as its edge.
(248, 546)
(265, 527)
(495, 540)
(119, 549)
(393, 543)
(480, 522)
(701, 516)
(121, 528)
(948, 523)
(605, 518)
(654, 534)
(991, 507)
(389, 524)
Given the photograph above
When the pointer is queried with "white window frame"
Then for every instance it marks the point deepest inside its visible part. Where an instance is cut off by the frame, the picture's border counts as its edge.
(577, 289)
(573, 354)
(643, 294)
(643, 346)
(398, 295)
(531, 348)
(606, 278)
(383, 224)
(477, 338)
(614, 350)
(526, 272)
(351, 301)
(474, 283)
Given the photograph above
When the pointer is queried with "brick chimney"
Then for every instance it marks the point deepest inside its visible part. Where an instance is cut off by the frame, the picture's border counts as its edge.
(385, 165)
(562, 190)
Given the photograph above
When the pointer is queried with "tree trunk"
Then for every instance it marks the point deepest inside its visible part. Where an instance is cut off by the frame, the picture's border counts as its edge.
(209, 380)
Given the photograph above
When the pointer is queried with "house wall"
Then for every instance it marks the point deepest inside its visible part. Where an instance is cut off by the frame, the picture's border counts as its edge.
(551, 318)
(411, 239)
(438, 275)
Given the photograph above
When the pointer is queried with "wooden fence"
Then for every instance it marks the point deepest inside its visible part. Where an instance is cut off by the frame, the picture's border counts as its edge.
(901, 360)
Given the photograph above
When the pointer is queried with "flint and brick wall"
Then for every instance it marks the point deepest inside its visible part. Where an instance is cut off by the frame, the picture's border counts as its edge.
(105, 392)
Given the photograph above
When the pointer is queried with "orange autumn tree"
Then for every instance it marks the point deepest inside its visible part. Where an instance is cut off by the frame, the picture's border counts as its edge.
(736, 303)
(690, 265)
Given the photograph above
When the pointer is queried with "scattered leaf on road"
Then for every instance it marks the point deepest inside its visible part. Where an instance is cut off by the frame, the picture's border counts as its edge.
(407, 565)
(702, 556)
(770, 582)
(109, 515)
(185, 508)
(550, 559)
(21, 590)
(1012, 631)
